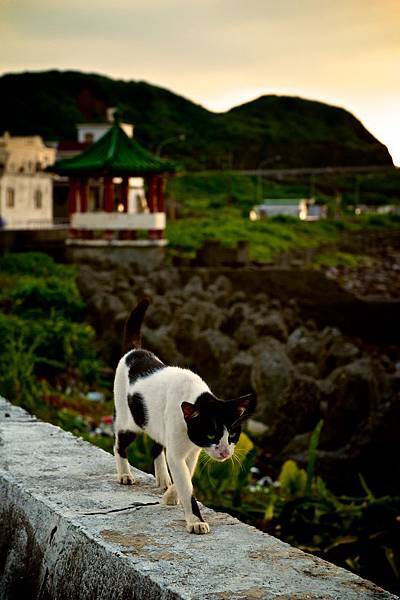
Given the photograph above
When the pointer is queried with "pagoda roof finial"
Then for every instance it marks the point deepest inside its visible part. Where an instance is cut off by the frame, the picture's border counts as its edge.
(117, 116)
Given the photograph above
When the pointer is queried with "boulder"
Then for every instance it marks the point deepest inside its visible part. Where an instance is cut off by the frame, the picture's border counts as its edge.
(194, 286)
(111, 306)
(335, 350)
(271, 377)
(368, 452)
(272, 325)
(246, 335)
(220, 292)
(236, 314)
(236, 375)
(352, 396)
(164, 280)
(175, 299)
(91, 282)
(288, 403)
(103, 309)
(158, 313)
(291, 317)
(221, 284)
(211, 351)
(161, 343)
(185, 330)
(208, 315)
(236, 297)
(128, 299)
(310, 369)
(303, 345)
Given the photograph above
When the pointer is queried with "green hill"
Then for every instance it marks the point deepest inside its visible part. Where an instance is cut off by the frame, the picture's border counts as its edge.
(273, 130)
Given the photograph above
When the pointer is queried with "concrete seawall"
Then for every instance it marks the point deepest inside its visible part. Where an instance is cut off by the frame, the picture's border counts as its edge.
(68, 530)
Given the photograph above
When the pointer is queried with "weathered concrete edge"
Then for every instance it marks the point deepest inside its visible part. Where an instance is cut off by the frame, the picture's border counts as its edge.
(60, 544)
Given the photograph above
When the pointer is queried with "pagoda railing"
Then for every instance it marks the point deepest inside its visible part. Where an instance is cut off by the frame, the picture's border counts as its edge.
(118, 221)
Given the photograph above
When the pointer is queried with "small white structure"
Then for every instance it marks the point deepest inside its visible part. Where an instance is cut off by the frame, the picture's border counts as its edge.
(301, 208)
(26, 199)
(89, 133)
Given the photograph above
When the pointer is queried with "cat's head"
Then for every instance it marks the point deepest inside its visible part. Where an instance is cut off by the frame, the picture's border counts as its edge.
(215, 425)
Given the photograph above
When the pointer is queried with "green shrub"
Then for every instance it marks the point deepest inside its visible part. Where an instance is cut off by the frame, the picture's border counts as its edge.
(35, 264)
(32, 298)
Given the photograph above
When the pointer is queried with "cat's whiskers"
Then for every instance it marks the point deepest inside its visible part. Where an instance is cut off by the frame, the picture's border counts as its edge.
(204, 460)
(237, 456)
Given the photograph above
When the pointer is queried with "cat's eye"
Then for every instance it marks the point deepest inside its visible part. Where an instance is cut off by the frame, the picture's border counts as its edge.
(210, 436)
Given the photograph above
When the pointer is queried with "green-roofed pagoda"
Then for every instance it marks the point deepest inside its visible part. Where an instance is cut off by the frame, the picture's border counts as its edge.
(100, 185)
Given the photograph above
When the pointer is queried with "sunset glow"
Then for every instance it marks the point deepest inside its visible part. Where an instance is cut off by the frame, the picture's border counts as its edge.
(221, 54)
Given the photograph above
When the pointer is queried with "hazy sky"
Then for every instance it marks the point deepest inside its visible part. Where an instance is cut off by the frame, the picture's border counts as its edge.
(223, 52)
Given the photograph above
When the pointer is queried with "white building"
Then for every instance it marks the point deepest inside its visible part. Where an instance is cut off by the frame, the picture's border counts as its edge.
(89, 133)
(26, 199)
(302, 208)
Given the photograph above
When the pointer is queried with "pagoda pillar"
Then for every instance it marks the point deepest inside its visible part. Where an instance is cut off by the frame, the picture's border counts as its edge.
(72, 195)
(124, 234)
(83, 194)
(108, 201)
(124, 193)
(108, 198)
(72, 203)
(152, 201)
(151, 193)
(160, 194)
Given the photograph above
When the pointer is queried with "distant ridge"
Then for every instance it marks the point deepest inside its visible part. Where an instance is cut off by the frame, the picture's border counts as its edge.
(277, 131)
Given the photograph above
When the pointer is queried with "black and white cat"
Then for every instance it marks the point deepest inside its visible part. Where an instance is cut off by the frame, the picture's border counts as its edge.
(176, 408)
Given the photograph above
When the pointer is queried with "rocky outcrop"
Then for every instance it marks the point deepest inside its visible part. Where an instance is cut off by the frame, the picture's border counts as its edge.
(240, 342)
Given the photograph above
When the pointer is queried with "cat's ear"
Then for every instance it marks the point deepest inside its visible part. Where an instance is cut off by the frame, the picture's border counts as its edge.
(243, 407)
(189, 411)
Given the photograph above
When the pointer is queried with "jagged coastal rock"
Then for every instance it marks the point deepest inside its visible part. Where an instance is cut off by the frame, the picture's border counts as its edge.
(240, 342)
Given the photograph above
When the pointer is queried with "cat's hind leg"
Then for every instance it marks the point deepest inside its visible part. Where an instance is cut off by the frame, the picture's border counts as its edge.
(163, 480)
(122, 441)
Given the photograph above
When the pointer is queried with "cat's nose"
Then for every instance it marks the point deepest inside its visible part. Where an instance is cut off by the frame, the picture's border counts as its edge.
(224, 453)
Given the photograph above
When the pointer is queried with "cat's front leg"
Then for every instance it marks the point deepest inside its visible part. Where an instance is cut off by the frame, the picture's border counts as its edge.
(183, 484)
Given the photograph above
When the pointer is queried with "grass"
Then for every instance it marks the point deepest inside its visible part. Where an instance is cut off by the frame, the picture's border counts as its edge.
(266, 238)
(217, 205)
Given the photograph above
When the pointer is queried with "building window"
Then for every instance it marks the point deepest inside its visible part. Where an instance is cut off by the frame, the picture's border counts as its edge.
(89, 138)
(37, 199)
(10, 197)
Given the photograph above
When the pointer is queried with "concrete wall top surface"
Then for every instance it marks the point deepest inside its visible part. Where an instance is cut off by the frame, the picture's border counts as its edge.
(69, 530)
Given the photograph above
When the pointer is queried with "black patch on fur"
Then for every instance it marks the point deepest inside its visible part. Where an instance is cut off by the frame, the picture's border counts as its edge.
(156, 450)
(124, 438)
(138, 409)
(142, 363)
(196, 509)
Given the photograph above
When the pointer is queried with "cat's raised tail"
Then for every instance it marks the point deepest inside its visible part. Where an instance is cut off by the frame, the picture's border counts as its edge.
(132, 337)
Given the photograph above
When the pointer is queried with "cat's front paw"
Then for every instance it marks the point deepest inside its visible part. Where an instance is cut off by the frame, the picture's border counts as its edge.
(126, 479)
(199, 527)
(171, 497)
